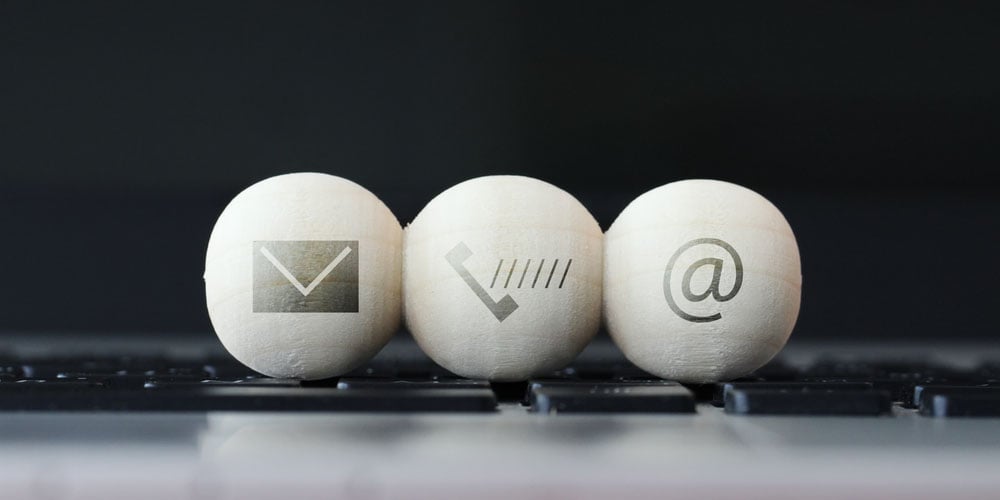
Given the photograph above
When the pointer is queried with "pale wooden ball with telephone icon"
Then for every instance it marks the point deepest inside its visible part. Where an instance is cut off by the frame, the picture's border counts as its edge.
(502, 278)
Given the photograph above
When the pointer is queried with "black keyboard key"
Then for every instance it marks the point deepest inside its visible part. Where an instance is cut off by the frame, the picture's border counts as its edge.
(752, 401)
(956, 401)
(611, 398)
(128, 381)
(234, 398)
(404, 384)
(188, 383)
(538, 383)
(723, 390)
(919, 389)
(237, 398)
(240, 382)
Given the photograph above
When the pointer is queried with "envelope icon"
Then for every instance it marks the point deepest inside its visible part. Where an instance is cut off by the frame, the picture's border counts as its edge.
(305, 276)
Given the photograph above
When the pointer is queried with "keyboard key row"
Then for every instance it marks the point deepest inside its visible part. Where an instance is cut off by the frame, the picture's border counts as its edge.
(827, 388)
(808, 401)
(953, 401)
(45, 396)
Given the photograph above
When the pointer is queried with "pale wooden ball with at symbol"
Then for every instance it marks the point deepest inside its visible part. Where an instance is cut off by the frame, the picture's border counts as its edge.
(702, 281)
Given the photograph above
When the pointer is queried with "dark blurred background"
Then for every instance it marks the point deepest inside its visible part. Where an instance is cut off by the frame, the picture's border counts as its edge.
(126, 127)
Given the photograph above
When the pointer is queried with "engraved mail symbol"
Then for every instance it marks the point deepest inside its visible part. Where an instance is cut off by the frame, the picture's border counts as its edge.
(305, 276)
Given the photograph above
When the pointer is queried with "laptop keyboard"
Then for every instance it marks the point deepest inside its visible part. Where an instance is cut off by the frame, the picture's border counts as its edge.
(827, 387)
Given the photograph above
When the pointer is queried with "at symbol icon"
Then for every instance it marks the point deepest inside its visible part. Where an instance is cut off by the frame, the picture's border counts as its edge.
(713, 287)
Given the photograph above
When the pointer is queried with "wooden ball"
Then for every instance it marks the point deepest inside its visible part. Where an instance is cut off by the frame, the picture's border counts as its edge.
(702, 281)
(502, 278)
(303, 276)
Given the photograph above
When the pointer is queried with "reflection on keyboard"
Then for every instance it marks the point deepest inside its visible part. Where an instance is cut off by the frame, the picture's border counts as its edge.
(828, 387)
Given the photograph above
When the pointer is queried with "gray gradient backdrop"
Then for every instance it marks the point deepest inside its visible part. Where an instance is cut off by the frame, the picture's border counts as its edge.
(125, 128)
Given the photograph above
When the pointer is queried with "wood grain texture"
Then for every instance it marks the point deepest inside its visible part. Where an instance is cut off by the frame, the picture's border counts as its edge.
(702, 281)
(294, 334)
(502, 278)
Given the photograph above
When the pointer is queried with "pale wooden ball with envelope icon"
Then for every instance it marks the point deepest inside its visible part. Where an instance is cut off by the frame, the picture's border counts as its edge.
(303, 276)
(502, 278)
(702, 281)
